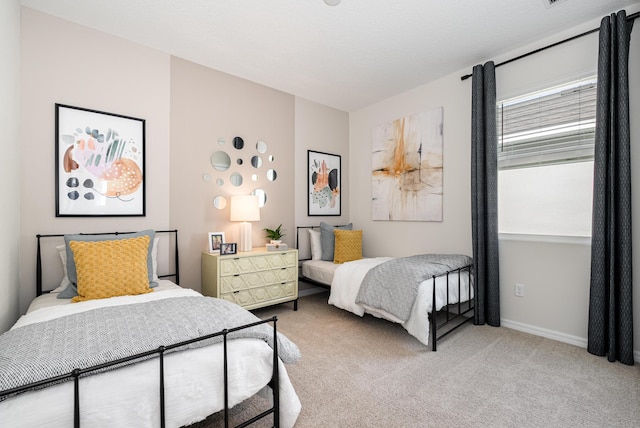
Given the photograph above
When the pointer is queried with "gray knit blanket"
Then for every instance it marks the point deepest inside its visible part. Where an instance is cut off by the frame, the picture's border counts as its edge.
(46, 349)
(393, 285)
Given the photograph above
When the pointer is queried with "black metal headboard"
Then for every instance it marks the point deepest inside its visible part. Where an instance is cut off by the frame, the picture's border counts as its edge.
(303, 254)
(175, 274)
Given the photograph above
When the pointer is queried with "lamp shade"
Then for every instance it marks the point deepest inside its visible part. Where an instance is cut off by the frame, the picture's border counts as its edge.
(244, 208)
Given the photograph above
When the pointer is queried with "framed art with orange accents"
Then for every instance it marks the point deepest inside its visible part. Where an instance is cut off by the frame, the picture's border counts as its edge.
(323, 183)
(100, 167)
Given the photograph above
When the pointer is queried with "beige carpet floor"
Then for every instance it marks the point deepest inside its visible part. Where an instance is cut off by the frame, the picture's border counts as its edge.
(367, 372)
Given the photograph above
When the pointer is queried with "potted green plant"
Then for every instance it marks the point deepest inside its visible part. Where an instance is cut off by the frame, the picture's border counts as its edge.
(275, 235)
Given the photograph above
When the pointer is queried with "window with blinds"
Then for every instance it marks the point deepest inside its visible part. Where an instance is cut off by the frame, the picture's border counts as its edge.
(553, 126)
(545, 161)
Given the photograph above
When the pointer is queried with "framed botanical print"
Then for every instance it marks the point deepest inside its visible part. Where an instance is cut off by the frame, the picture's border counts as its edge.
(323, 183)
(100, 163)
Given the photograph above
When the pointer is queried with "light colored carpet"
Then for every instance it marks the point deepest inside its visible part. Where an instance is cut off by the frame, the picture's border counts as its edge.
(366, 372)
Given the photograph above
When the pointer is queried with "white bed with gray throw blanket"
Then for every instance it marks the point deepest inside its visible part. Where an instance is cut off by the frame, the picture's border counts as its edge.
(400, 290)
(347, 292)
(57, 336)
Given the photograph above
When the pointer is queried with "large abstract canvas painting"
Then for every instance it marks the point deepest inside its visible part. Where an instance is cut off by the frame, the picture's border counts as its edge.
(407, 168)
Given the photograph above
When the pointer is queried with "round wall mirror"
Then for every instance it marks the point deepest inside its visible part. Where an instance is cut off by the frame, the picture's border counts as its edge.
(236, 179)
(206, 177)
(254, 177)
(262, 197)
(221, 141)
(271, 158)
(220, 161)
(256, 161)
(271, 175)
(239, 161)
(261, 146)
(220, 182)
(238, 143)
(220, 202)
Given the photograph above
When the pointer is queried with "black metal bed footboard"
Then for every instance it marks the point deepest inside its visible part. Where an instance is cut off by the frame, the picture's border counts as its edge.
(454, 314)
(160, 351)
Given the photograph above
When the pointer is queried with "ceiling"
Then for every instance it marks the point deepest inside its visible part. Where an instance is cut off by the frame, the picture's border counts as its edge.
(347, 56)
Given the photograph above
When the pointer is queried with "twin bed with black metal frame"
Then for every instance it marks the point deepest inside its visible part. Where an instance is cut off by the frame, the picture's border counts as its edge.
(436, 311)
(172, 383)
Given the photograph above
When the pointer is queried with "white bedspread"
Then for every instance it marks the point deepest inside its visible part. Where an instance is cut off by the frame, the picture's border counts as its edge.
(130, 396)
(348, 277)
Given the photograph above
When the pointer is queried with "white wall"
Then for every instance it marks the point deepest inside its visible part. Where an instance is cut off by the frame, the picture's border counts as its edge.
(9, 165)
(400, 238)
(324, 129)
(555, 274)
(187, 107)
(207, 105)
(70, 64)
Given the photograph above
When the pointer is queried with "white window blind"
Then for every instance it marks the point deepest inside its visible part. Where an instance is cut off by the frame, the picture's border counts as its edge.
(556, 125)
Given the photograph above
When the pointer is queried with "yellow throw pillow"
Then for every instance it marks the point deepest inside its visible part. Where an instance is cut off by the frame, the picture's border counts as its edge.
(348, 245)
(111, 268)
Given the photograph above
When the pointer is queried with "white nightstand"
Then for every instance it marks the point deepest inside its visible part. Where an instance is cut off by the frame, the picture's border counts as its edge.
(252, 279)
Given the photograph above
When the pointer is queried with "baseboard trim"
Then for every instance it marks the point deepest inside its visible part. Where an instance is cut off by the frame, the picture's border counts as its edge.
(552, 334)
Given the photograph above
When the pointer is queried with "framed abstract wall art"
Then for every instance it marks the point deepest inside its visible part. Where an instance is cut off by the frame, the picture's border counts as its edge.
(100, 163)
(406, 170)
(323, 183)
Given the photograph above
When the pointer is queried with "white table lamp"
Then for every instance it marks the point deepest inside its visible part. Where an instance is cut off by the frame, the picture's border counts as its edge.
(245, 208)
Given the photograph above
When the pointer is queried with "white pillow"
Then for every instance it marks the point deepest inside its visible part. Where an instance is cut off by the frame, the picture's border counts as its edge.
(62, 252)
(154, 258)
(316, 246)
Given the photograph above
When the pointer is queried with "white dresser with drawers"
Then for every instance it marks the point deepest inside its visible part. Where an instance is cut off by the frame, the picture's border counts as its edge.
(252, 279)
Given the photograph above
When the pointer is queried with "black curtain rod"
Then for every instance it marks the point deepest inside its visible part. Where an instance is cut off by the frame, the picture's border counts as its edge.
(629, 18)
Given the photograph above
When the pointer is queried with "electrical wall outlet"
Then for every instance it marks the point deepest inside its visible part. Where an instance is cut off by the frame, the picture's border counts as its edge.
(519, 290)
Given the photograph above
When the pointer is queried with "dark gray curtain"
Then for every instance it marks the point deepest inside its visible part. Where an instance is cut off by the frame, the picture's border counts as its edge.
(610, 304)
(484, 195)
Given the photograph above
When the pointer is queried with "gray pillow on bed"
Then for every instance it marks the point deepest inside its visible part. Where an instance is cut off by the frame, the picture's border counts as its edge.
(328, 239)
(72, 290)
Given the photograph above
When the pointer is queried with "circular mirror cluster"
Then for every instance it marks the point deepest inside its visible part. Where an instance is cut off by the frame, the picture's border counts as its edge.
(262, 197)
(238, 143)
(220, 202)
(221, 162)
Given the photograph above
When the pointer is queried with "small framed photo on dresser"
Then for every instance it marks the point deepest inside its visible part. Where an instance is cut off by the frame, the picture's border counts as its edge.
(216, 239)
(228, 248)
